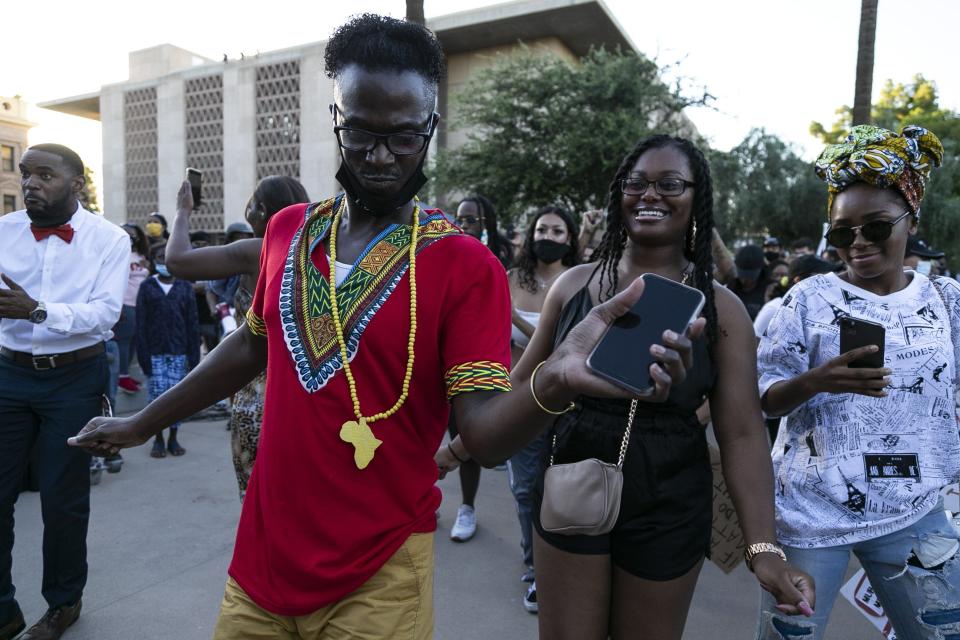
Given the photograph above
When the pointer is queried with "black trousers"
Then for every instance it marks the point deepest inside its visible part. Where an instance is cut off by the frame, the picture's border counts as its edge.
(47, 407)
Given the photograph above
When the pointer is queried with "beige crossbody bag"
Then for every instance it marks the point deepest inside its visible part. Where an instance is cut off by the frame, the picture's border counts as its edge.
(584, 497)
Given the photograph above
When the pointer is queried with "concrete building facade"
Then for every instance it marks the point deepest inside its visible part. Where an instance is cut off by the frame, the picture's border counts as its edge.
(14, 127)
(241, 120)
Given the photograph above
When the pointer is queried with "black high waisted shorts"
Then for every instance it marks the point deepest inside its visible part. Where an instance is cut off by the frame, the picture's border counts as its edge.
(666, 510)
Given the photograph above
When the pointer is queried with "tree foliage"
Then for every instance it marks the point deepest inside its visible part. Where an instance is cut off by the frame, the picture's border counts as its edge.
(88, 197)
(899, 104)
(917, 102)
(544, 130)
(763, 187)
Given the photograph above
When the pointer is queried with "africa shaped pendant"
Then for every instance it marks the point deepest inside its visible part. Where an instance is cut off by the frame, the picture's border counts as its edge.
(361, 437)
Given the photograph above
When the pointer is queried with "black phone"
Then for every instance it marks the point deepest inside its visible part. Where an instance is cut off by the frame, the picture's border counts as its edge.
(856, 333)
(623, 354)
(194, 177)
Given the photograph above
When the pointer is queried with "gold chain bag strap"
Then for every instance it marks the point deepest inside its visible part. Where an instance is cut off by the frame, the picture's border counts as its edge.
(584, 497)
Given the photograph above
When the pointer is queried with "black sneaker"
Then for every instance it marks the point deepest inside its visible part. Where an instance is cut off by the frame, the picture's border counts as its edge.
(530, 600)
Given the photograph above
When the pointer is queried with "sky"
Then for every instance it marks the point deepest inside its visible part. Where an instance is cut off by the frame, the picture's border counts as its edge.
(775, 64)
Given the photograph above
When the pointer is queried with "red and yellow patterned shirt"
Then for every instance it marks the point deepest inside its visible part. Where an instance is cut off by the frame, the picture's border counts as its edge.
(313, 526)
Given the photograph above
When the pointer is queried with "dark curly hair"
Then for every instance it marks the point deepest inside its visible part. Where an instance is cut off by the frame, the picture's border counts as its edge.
(526, 262)
(382, 43)
(614, 240)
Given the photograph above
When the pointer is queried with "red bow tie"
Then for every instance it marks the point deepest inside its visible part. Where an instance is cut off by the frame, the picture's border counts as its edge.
(64, 232)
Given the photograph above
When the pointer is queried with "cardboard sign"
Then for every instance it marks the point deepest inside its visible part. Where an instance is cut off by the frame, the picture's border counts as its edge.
(726, 541)
(861, 595)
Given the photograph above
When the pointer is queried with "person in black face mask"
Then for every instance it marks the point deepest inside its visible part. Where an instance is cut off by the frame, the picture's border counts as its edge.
(550, 247)
(771, 250)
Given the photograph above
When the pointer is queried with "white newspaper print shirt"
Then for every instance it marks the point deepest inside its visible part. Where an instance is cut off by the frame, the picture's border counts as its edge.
(850, 467)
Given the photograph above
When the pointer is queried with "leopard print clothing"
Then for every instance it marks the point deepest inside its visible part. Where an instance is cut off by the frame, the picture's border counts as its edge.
(246, 416)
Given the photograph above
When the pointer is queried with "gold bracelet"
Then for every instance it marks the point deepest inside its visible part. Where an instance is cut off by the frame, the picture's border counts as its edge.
(755, 549)
(537, 400)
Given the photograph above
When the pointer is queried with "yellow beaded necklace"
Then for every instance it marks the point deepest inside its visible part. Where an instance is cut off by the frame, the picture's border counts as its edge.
(358, 433)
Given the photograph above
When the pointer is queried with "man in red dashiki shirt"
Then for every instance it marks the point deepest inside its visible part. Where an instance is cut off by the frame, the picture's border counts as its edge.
(335, 539)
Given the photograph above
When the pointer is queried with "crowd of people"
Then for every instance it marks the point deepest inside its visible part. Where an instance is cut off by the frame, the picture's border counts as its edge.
(353, 333)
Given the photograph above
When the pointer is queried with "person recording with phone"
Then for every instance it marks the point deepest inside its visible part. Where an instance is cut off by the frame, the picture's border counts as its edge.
(863, 365)
(239, 259)
(640, 575)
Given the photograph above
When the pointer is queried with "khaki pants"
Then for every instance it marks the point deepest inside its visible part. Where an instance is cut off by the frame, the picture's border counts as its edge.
(396, 603)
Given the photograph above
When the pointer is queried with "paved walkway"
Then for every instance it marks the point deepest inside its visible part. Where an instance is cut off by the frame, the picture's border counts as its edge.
(162, 534)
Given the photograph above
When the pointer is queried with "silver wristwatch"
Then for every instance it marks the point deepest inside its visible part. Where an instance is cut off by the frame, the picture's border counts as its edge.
(39, 314)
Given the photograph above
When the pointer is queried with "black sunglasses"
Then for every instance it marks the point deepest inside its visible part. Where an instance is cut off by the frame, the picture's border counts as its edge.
(468, 219)
(875, 231)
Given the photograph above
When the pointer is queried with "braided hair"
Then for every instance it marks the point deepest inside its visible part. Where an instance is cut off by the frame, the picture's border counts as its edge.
(495, 242)
(696, 245)
(526, 261)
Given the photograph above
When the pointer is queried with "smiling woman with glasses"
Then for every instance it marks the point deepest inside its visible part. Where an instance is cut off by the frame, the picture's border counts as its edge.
(864, 450)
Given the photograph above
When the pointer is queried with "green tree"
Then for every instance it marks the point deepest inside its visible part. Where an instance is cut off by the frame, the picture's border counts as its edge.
(763, 187)
(545, 130)
(88, 197)
(899, 104)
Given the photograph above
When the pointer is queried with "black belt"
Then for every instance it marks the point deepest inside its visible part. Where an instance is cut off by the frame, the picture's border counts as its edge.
(52, 360)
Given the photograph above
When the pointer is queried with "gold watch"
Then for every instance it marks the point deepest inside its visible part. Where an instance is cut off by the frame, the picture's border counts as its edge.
(755, 549)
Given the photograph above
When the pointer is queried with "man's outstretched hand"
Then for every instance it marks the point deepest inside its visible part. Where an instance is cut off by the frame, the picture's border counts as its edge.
(106, 436)
(569, 361)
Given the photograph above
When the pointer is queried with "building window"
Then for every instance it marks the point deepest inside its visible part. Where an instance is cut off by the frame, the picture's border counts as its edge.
(140, 148)
(9, 203)
(7, 161)
(203, 114)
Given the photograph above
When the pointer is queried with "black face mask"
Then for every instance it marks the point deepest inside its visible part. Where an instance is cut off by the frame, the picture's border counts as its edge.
(377, 205)
(549, 251)
(771, 256)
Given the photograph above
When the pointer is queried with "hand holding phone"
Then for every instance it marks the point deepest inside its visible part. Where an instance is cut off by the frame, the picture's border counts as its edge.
(565, 373)
(836, 376)
(632, 347)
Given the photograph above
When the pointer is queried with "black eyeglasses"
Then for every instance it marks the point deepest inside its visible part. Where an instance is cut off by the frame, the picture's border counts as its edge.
(874, 231)
(399, 144)
(468, 219)
(664, 186)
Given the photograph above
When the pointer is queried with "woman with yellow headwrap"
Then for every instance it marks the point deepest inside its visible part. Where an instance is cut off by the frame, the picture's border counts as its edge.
(865, 449)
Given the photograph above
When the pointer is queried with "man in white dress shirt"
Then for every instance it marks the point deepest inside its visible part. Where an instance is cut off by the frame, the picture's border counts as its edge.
(63, 270)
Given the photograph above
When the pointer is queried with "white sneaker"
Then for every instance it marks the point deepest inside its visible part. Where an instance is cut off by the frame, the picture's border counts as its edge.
(530, 600)
(465, 526)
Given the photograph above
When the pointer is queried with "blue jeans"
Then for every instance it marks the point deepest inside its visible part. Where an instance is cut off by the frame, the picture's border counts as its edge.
(123, 333)
(522, 470)
(922, 604)
(48, 407)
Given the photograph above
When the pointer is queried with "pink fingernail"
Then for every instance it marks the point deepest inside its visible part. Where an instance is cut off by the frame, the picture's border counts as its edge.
(805, 608)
